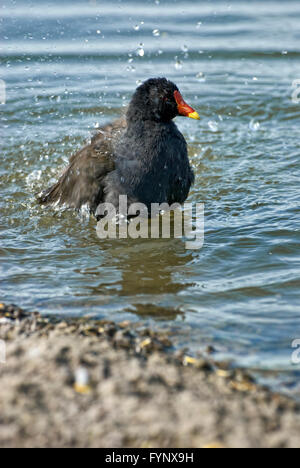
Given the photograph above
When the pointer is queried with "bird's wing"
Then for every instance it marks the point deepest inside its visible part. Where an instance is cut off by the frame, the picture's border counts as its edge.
(111, 130)
(81, 183)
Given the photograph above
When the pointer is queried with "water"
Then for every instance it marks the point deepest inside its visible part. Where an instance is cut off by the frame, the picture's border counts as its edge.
(69, 66)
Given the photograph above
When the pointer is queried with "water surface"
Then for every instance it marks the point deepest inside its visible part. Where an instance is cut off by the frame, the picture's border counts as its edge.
(70, 66)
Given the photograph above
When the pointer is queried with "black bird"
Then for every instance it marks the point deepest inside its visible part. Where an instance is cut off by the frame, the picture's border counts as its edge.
(144, 157)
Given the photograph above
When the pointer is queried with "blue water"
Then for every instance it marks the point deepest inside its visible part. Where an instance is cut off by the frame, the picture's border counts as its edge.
(70, 66)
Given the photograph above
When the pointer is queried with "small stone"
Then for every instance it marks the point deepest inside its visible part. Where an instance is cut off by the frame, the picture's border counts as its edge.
(123, 339)
(125, 324)
(81, 384)
(243, 387)
(62, 325)
(214, 445)
(198, 363)
(224, 374)
(5, 321)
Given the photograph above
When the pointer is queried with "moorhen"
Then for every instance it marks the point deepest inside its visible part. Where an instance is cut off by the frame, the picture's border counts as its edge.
(144, 157)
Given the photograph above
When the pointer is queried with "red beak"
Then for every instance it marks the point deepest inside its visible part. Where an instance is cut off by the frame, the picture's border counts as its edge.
(184, 109)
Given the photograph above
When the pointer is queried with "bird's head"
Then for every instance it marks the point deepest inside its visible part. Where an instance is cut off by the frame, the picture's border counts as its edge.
(160, 100)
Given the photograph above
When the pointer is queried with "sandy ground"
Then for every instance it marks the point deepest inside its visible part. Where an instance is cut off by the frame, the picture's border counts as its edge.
(97, 384)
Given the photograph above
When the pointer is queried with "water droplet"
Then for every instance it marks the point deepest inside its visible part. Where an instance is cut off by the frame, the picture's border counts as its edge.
(156, 32)
(136, 27)
(98, 31)
(33, 177)
(200, 76)
(254, 126)
(178, 64)
(140, 50)
(213, 126)
(130, 68)
(199, 24)
(184, 48)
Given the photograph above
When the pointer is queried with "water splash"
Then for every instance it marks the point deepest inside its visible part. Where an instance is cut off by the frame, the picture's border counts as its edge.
(213, 126)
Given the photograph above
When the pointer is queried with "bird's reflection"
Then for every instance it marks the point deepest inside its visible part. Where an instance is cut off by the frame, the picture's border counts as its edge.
(147, 274)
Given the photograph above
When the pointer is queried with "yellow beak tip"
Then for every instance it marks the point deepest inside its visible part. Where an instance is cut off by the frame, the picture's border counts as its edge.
(194, 115)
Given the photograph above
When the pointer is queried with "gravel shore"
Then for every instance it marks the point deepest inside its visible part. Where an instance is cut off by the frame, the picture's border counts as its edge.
(85, 383)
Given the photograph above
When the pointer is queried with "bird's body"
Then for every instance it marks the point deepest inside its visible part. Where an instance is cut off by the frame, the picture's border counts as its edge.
(143, 157)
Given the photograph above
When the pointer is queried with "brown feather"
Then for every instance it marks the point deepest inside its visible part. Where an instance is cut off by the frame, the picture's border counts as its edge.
(80, 183)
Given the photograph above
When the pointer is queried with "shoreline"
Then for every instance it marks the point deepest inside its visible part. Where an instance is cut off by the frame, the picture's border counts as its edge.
(95, 383)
